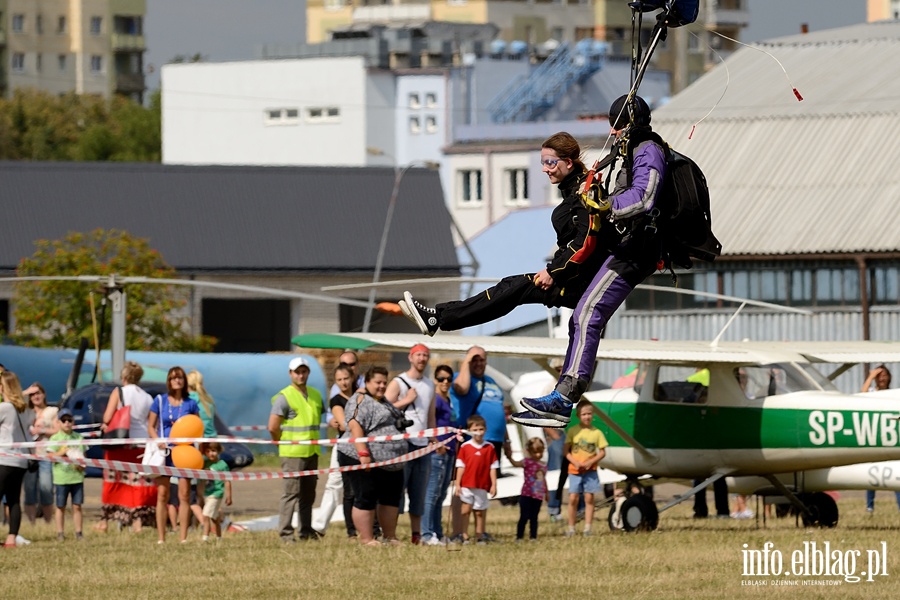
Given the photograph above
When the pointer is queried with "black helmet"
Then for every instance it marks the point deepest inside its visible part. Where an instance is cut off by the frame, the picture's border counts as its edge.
(638, 106)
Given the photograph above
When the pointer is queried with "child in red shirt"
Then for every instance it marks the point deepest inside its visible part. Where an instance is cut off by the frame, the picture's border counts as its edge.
(476, 476)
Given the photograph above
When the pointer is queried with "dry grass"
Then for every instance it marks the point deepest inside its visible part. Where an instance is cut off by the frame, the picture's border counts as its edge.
(683, 559)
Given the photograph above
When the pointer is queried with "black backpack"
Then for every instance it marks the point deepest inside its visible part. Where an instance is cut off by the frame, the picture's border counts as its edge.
(685, 221)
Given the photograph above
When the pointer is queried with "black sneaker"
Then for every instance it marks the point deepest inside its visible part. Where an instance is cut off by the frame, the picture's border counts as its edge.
(424, 317)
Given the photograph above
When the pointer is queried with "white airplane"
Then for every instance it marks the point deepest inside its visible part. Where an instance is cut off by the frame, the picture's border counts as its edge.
(761, 413)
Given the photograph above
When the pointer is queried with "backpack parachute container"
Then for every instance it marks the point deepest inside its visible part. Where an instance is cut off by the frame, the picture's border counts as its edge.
(685, 220)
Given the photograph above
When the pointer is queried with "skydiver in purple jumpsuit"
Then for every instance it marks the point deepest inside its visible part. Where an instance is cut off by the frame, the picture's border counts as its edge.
(634, 257)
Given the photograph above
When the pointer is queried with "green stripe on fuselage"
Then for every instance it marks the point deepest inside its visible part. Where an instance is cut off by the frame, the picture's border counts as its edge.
(708, 427)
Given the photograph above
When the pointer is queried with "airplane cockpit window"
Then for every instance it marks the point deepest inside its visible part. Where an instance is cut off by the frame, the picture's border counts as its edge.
(759, 381)
(640, 374)
(682, 384)
(817, 376)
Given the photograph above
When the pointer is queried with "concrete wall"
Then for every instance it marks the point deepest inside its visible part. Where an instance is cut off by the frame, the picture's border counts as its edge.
(218, 113)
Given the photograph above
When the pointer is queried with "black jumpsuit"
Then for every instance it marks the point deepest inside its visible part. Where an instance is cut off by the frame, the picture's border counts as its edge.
(573, 266)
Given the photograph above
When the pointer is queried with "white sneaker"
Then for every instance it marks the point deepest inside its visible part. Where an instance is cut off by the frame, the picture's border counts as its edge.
(20, 541)
(433, 540)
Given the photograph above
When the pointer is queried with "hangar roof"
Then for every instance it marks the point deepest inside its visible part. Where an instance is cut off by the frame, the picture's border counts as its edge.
(789, 177)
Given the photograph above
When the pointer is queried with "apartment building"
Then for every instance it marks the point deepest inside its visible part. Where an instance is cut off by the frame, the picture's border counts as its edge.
(877, 10)
(81, 46)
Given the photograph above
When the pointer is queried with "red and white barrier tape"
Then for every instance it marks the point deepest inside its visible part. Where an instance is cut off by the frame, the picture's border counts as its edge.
(249, 428)
(323, 442)
(116, 465)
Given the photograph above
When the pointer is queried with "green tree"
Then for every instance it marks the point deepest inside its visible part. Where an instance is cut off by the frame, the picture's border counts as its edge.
(35, 125)
(58, 313)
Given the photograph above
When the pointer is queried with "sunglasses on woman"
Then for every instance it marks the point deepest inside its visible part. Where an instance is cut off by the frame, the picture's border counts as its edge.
(442, 379)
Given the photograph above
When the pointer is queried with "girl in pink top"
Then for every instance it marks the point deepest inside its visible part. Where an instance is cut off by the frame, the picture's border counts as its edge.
(534, 488)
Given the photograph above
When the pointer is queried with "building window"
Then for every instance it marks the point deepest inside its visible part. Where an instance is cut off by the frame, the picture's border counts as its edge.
(39, 24)
(39, 62)
(328, 114)
(96, 63)
(430, 100)
(415, 126)
(414, 101)
(431, 124)
(885, 288)
(282, 116)
(61, 61)
(96, 25)
(557, 34)
(18, 23)
(470, 187)
(18, 62)
(516, 181)
(334, 4)
(61, 24)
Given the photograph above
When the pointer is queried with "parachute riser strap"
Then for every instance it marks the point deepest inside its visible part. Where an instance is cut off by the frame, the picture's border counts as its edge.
(637, 19)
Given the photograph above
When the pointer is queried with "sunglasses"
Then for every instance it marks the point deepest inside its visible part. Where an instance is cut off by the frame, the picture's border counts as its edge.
(351, 364)
(550, 162)
(442, 379)
(67, 420)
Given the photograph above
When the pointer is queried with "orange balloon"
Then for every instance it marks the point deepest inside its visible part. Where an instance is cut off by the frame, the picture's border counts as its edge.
(187, 457)
(188, 426)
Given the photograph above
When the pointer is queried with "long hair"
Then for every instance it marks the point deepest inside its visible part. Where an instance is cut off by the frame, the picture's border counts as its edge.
(567, 148)
(195, 384)
(12, 390)
(177, 371)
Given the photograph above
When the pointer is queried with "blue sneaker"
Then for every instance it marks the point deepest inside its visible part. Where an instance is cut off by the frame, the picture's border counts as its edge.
(553, 406)
(530, 419)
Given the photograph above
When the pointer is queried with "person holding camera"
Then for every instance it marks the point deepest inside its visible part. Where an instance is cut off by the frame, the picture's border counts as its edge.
(380, 488)
(413, 393)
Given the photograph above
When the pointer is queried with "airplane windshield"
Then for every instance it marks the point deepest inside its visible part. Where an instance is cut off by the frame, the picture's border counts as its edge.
(825, 383)
(759, 381)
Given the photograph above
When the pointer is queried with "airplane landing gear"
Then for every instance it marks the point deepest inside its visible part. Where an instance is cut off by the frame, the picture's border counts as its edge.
(823, 510)
(636, 512)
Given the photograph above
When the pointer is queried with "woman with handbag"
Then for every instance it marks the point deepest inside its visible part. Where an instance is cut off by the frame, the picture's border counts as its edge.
(128, 498)
(13, 422)
(164, 411)
(378, 488)
(38, 485)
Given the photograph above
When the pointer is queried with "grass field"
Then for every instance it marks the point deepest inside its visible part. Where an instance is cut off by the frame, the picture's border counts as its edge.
(684, 558)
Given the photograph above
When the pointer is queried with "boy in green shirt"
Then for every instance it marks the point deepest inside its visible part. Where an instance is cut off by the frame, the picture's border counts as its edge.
(214, 491)
(67, 478)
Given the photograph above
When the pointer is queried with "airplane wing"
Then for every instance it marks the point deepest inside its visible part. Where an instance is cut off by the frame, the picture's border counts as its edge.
(848, 352)
(541, 348)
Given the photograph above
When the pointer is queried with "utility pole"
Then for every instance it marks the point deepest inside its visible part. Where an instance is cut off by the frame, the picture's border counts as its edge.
(116, 294)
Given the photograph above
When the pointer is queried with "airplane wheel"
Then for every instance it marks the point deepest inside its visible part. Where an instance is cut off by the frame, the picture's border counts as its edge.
(823, 508)
(639, 513)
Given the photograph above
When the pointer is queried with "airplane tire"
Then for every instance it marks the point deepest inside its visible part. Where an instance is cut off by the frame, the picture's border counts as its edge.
(823, 508)
(639, 513)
